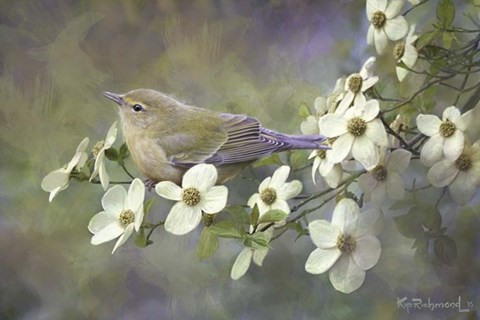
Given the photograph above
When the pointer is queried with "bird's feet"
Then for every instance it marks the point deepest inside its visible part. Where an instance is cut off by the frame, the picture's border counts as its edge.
(150, 184)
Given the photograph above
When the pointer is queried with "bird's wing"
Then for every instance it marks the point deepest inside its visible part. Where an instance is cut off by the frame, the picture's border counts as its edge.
(245, 142)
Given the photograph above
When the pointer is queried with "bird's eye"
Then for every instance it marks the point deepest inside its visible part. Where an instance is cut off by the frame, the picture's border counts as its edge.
(137, 108)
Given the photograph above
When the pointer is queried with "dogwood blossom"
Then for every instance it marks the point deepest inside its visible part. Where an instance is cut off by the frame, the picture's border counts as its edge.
(385, 23)
(198, 193)
(406, 52)
(58, 180)
(99, 154)
(346, 247)
(332, 173)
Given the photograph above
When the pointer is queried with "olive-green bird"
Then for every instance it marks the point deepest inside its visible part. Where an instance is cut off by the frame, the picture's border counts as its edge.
(166, 137)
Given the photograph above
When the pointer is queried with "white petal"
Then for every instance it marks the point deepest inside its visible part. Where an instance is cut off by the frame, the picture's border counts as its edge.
(111, 136)
(320, 260)
(453, 145)
(333, 125)
(451, 113)
(75, 160)
(168, 190)
(367, 252)
(345, 275)
(463, 187)
(367, 182)
(373, 6)
(371, 110)
(370, 38)
(464, 120)
(401, 73)
(124, 237)
(325, 167)
(309, 126)
(380, 40)
(428, 124)
(345, 216)
(110, 232)
(316, 164)
(136, 195)
(289, 190)
(367, 67)
(265, 184)
(320, 105)
(259, 255)
(279, 204)
(113, 200)
(378, 194)
(241, 264)
(410, 56)
(81, 162)
(394, 8)
(376, 133)
(104, 177)
(370, 221)
(215, 199)
(54, 193)
(324, 235)
(341, 148)
(334, 177)
(255, 198)
(399, 160)
(279, 177)
(368, 83)
(98, 160)
(201, 176)
(344, 104)
(432, 151)
(359, 100)
(365, 152)
(442, 173)
(100, 221)
(182, 218)
(83, 145)
(55, 179)
(396, 28)
(394, 185)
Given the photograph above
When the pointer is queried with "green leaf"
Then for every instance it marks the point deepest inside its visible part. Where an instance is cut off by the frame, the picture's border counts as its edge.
(239, 214)
(274, 159)
(426, 39)
(446, 12)
(256, 241)
(272, 216)
(298, 159)
(207, 244)
(304, 110)
(227, 229)
(123, 151)
(445, 249)
(141, 239)
(402, 204)
(254, 215)
(428, 98)
(111, 154)
(147, 207)
(432, 219)
(408, 224)
(448, 38)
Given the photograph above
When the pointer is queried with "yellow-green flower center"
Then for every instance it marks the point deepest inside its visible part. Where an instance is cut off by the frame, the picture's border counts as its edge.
(321, 153)
(191, 196)
(379, 173)
(399, 50)
(447, 128)
(355, 82)
(126, 217)
(96, 149)
(378, 19)
(346, 243)
(464, 162)
(356, 126)
(268, 196)
(330, 141)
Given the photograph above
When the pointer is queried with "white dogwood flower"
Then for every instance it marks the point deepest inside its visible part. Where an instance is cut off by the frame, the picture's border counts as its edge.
(198, 193)
(385, 179)
(58, 180)
(346, 247)
(462, 175)
(446, 135)
(356, 84)
(331, 172)
(99, 154)
(406, 52)
(122, 214)
(310, 124)
(357, 131)
(275, 191)
(386, 22)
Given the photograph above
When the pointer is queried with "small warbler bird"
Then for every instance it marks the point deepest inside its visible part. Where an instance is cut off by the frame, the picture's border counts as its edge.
(166, 137)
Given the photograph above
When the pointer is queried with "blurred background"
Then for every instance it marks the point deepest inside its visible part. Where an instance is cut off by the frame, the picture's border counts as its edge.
(258, 57)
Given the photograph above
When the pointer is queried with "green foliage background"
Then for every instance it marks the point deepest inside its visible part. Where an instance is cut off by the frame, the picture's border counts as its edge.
(259, 57)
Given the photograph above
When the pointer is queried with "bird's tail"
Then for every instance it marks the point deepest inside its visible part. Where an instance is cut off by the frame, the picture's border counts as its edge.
(289, 142)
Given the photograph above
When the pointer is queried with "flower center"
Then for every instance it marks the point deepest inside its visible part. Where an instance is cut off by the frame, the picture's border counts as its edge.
(346, 243)
(330, 141)
(379, 173)
(356, 126)
(355, 82)
(378, 19)
(99, 146)
(269, 195)
(399, 50)
(463, 163)
(447, 128)
(191, 196)
(321, 153)
(126, 217)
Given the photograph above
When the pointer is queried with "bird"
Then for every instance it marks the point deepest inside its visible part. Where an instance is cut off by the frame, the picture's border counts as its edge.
(166, 137)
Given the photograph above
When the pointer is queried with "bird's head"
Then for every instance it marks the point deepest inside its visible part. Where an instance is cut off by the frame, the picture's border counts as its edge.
(143, 108)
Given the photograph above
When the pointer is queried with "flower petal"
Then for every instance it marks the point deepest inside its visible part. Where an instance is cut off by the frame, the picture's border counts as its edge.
(371, 110)
(113, 200)
(214, 200)
(463, 187)
(259, 255)
(128, 232)
(380, 40)
(279, 204)
(241, 264)
(367, 252)
(254, 198)
(374, 6)
(265, 184)
(324, 235)
(344, 104)
(289, 190)
(55, 179)
(182, 218)
(378, 194)
(370, 221)
(432, 151)
(394, 186)
(104, 177)
(442, 173)
(451, 113)
(345, 216)
(325, 167)
(279, 177)
(110, 232)
(334, 177)
(169, 190)
(316, 164)
(396, 28)
(398, 160)
(100, 221)
(365, 152)
(410, 56)
(345, 275)
(341, 148)
(201, 176)
(136, 195)
(428, 124)
(401, 73)
(393, 9)
(309, 126)
(367, 182)
(320, 260)
(83, 145)
(376, 133)
(333, 125)
(453, 145)
(111, 136)
(368, 83)
(464, 120)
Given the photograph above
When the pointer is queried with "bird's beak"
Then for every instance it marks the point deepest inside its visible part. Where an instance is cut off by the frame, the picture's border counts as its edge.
(114, 97)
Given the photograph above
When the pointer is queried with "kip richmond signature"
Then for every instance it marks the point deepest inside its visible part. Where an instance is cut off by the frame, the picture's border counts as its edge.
(419, 304)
